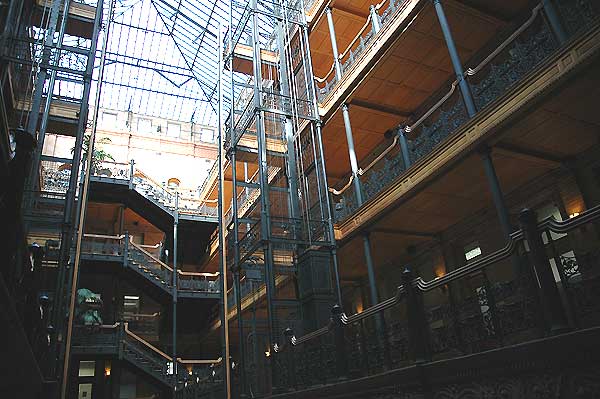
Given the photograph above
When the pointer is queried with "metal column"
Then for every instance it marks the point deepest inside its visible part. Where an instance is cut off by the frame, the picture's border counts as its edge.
(222, 227)
(263, 172)
(554, 20)
(175, 228)
(318, 136)
(334, 48)
(456, 64)
(471, 111)
(69, 218)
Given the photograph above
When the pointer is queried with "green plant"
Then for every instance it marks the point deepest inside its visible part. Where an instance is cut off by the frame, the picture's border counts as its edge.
(98, 156)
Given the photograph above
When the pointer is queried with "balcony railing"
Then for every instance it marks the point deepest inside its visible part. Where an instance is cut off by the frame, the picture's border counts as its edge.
(507, 65)
(363, 40)
(148, 257)
(516, 294)
(54, 178)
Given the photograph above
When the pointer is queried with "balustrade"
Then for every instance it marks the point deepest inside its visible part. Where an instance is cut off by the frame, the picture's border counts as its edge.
(508, 64)
(486, 304)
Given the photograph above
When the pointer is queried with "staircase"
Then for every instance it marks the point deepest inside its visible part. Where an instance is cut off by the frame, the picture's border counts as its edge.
(195, 378)
(144, 261)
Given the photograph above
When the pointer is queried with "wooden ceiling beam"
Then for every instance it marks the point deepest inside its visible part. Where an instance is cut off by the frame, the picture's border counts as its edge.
(404, 232)
(527, 154)
(350, 12)
(380, 108)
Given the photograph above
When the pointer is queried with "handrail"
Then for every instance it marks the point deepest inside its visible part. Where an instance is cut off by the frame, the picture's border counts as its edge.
(179, 272)
(200, 361)
(559, 227)
(120, 237)
(150, 255)
(147, 344)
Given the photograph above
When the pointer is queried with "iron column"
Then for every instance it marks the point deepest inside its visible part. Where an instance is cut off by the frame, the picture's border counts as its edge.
(175, 228)
(334, 48)
(456, 64)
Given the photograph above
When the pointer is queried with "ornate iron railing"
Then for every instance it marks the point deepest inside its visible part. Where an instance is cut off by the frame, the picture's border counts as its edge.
(514, 59)
(145, 259)
(363, 40)
(507, 297)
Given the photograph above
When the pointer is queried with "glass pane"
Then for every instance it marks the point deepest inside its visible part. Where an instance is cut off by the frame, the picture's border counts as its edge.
(86, 368)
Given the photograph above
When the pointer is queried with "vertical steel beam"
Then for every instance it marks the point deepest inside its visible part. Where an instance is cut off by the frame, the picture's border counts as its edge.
(84, 188)
(554, 21)
(174, 296)
(68, 217)
(321, 154)
(263, 172)
(456, 64)
(222, 227)
(294, 200)
(40, 80)
(334, 48)
(48, 103)
(236, 262)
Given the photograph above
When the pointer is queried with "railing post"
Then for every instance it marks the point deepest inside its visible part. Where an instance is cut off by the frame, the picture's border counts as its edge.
(417, 331)
(291, 365)
(126, 249)
(554, 21)
(375, 19)
(404, 147)
(131, 169)
(341, 361)
(550, 297)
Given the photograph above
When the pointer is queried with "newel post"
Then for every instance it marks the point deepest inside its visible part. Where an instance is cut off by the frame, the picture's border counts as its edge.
(125, 248)
(131, 170)
(548, 291)
(341, 361)
(417, 329)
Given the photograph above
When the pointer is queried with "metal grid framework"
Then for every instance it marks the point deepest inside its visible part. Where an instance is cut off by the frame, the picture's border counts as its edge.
(281, 214)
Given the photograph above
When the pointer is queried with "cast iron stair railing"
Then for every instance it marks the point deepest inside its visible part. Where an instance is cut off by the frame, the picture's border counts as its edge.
(144, 261)
(117, 340)
(189, 203)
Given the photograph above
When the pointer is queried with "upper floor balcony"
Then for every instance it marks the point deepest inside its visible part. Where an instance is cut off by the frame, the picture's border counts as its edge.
(524, 56)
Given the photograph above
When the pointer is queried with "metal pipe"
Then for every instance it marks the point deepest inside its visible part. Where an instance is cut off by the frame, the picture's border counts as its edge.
(334, 48)
(223, 249)
(83, 201)
(554, 21)
(175, 228)
(456, 64)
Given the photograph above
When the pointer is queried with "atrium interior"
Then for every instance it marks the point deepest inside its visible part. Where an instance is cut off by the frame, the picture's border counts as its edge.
(300, 199)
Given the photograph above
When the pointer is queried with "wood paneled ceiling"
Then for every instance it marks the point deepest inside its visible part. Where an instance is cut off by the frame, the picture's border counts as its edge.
(559, 129)
(416, 67)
